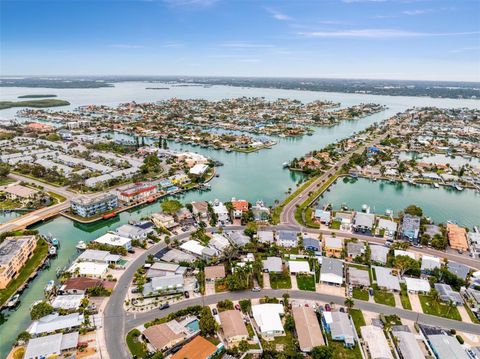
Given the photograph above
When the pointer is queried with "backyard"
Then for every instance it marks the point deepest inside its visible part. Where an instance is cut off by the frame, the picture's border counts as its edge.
(136, 347)
(344, 353)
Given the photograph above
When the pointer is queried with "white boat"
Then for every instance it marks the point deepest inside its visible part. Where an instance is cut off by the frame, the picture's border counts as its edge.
(52, 251)
(436, 185)
(285, 164)
(458, 187)
(50, 285)
(13, 301)
(81, 246)
(388, 212)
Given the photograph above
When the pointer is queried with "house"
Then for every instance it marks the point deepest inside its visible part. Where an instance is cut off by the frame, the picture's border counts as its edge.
(417, 285)
(238, 238)
(198, 348)
(200, 210)
(166, 335)
(345, 219)
(311, 244)
(358, 277)
(460, 270)
(322, 216)
(115, 240)
(307, 327)
(98, 256)
(385, 279)
(410, 228)
(273, 265)
(472, 297)
(287, 239)
(260, 211)
(457, 237)
(265, 236)
(355, 249)
(331, 271)
(267, 317)
(429, 263)
(400, 252)
(169, 284)
(53, 322)
(14, 253)
(221, 211)
(375, 342)
(389, 227)
(162, 220)
(378, 254)
(363, 221)
(198, 170)
(212, 273)
(81, 284)
(332, 246)
(240, 206)
(233, 327)
(219, 242)
(407, 345)
(20, 193)
(68, 301)
(183, 215)
(299, 267)
(51, 345)
(132, 232)
(89, 206)
(447, 294)
(340, 327)
(89, 269)
(447, 347)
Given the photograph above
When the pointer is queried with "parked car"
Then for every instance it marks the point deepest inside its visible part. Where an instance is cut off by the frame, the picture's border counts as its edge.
(370, 291)
(237, 306)
(164, 306)
(186, 294)
(342, 309)
(256, 289)
(328, 308)
(214, 311)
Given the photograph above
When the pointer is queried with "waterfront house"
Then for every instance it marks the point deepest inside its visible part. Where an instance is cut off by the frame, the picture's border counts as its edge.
(287, 239)
(429, 263)
(53, 322)
(162, 220)
(221, 211)
(331, 271)
(132, 232)
(115, 240)
(363, 221)
(474, 239)
(307, 327)
(81, 284)
(198, 348)
(345, 219)
(323, 216)
(339, 326)
(388, 227)
(260, 211)
(311, 244)
(375, 342)
(198, 170)
(460, 270)
(410, 228)
(378, 254)
(355, 249)
(67, 301)
(21, 193)
(88, 269)
(457, 237)
(95, 255)
(332, 246)
(240, 206)
(417, 285)
(358, 277)
(51, 346)
(273, 265)
(447, 294)
(200, 210)
(267, 317)
(233, 327)
(89, 206)
(14, 253)
(432, 230)
(385, 279)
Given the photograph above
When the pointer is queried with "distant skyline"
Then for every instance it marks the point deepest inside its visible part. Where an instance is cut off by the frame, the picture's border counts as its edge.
(369, 39)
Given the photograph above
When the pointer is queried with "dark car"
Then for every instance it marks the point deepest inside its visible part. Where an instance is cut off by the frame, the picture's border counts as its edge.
(186, 294)
(342, 310)
(214, 311)
(370, 291)
(164, 306)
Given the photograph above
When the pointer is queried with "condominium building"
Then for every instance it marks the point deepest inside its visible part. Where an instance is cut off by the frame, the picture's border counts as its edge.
(88, 206)
(14, 253)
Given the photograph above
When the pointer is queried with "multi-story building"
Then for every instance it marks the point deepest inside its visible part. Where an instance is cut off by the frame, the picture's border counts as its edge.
(137, 192)
(14, 253)
(88, 206)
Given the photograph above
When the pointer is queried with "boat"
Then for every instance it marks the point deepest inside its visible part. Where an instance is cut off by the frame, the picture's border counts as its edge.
(389, 212)
(52, 251)
(436, 185)
(151, 199)
(365, 207)
(458, 187)
(49, 287)
(14, 301)
(109, 215)
(81, 246)
(285, 164)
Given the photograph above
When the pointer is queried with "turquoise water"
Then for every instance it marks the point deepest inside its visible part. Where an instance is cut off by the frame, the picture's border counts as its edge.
(193, 325)
(441, 205)
(249, 176)
(5, 217)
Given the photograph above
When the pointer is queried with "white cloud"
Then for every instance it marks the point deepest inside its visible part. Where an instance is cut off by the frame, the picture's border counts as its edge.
(465, 49)
(277, 15)
(416, 12)
(126, 46)
(245, 45)
(173, 44)
(249, 60)
(379, 34)
(201, 3)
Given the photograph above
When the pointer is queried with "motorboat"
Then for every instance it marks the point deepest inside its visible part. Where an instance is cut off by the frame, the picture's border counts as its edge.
(81, 246)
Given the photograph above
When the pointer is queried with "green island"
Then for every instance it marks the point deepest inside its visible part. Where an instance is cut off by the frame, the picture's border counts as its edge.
(37, 96)
(33, 103)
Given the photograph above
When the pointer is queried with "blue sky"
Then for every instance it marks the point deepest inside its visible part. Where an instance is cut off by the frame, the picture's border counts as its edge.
(386, 39)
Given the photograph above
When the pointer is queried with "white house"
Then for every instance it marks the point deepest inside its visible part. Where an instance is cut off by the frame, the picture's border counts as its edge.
(267, 317)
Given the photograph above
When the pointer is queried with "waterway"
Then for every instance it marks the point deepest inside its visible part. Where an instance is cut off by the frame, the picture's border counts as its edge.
(7, 216)
(441, 159)
(251, 176)
(440, 204)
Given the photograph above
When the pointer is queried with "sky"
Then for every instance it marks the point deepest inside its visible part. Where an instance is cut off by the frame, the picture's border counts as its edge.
(373, 39)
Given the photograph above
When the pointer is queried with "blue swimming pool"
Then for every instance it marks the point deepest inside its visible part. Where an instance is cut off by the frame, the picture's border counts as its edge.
(193, 325)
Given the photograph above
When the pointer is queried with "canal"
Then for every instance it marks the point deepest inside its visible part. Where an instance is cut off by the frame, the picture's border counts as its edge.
(254, 176)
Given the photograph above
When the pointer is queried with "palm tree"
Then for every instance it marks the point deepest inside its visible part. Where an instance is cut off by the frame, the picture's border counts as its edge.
(349, 303)
(451, 305)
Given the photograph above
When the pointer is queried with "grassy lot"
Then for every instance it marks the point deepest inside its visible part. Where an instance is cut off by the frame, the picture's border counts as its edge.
(404, 297)
(306, 282)
(220, 285)
(471, 315)
(136, 347)
(384, 297)
(344, 353)
(357, 318)
(39, 254)
(10, 204)
(309, 220)
(335, 225)
(280, 281)
(6, 180)
(58, 197)
(431, 307)
(361, 294)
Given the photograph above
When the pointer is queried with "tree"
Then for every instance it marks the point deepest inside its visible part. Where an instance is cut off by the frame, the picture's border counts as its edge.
(349, 303)
(439, 242)
(23, 336)
(243, 346)
(245, 305)
(207, 323)
(40, 310)
(404, 264)
(322, 352)
(289, 324)
(434, 295)
(413, 210)
(4, 170)
(151, 163)
(250, 229)
(171, 206)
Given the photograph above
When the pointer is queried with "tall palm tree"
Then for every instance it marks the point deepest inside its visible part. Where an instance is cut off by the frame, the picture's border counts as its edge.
(349, 303)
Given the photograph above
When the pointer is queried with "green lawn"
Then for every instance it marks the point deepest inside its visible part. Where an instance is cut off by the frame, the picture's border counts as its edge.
(335, 225)
(340, 352)
(306, 282)
(6, 180)
(357, 318)
(136, 347)
(40, 252)
(438, 309)
(404, 298)
(57, 196)
(471, 315)
(361, 294)
(280, 281)
(384, 297)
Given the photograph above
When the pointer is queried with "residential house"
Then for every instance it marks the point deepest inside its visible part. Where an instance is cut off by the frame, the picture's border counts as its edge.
(20, 193)
(429, 263)
(238, 238)
(331, 271)
(322, 216)
(221, 211)
(260, 211)
(200, 210)
(378, 254)
(162, 220)
(447, 294)
(265, 236)
(132, 232)
(297, 267)
(417, 285)
(219, 242)
(358, 277)
(199, 250)
(340, 327)
(388, 227)
(385, 279)
(355, 249)
(375, 342)
(115, 240)
(213, 273)
(457, 237)
(53, 322)
(407, 345)
(307, 327)
(287, 239)
(50, 346)
(267, 317)
(333, 246)
(81, 284)
(460, 270)
(169, 284)
(240, 206)
(447, 347)
(98, 256)
(410, 228)
(198, 348)
(363, 221)
(165, 336)
(311, 244)
(273, 265)
(233, 327)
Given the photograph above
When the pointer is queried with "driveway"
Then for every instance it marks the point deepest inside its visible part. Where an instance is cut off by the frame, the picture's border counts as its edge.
(293, 278)
(266, 281)
(209, 288)
(398, 301)
(464, 314)
(415, 302)
(330, 289)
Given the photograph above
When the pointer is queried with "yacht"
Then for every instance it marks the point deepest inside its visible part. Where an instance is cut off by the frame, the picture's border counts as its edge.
(436, 185)
(458, 187)
(52, 251)
(49, 287)
(14, 301)
(81, 246)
